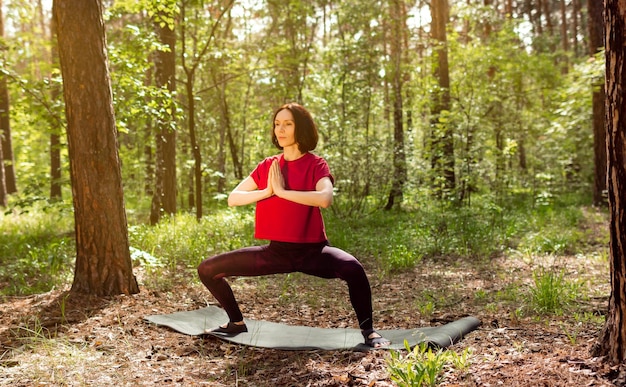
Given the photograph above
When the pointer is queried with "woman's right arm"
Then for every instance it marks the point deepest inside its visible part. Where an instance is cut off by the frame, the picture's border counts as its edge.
(248, 192)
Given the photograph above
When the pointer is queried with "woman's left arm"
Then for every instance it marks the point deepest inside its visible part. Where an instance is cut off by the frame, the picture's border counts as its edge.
(321, 197)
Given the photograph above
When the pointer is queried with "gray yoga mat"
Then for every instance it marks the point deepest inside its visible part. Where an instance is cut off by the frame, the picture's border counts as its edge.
(266, 334)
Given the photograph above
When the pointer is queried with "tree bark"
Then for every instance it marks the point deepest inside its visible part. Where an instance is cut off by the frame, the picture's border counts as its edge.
(564, 38)
(596, 42)
(399, 175)
(4, 123)
(442, 147)
(103, 264)
(164, 198)
(612, 341)
(6, 157)
(56, 193)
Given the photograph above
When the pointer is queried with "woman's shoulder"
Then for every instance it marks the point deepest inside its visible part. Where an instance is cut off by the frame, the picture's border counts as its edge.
(317, 160)
(312, 157)
(270, 159)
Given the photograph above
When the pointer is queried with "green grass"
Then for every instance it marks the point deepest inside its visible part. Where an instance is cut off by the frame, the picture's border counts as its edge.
(398, 240)
(551, 292)
(37, 249)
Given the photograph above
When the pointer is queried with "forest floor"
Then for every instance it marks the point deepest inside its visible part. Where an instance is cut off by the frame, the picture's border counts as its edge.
(62, 339)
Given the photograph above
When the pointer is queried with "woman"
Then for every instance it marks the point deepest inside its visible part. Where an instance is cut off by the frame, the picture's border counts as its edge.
(289, 189)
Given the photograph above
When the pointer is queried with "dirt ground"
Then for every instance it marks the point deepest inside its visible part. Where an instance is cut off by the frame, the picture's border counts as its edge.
(60, 339)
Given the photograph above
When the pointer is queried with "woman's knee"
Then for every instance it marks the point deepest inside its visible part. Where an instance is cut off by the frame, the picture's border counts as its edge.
(206, 270)
(352, 270)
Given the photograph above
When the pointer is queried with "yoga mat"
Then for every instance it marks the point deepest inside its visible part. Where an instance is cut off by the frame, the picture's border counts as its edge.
(266, 334)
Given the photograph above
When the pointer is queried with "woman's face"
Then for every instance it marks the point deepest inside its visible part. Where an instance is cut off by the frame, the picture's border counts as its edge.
(285, 129)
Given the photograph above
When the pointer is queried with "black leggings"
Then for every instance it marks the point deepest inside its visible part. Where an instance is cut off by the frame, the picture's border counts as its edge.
(316, 259)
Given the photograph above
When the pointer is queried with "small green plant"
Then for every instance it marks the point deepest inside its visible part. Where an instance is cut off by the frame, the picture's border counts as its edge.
(480, 295)
(402, 257)
(572, 334)
(589, 318)
(461, 362)
(424, 366)
(426, 308)
(550, 292)
(287, 292)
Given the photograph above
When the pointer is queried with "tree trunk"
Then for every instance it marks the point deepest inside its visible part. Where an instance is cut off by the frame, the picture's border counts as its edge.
(596, 42)
(164, 198)
(5, 133)
(538, 17)
(195, 178)
(103, 264)
(442, 137)
(3, 187)
(612, 341)
(195, 148)
(6, 160)
(56, 193)
(564, 38)
(547, 14)
(399, 175)
(575, 23)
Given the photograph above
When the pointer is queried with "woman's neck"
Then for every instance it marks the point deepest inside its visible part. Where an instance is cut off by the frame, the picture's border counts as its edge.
(292, 153)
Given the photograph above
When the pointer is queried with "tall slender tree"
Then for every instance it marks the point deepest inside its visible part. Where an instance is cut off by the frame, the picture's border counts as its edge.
(103, 265)
(190, 67)
(398, 17)
(164, 197)
(3, 188)
(7, 159)
(612, 341)
(596, 43)
(442, 141)
(56, 193)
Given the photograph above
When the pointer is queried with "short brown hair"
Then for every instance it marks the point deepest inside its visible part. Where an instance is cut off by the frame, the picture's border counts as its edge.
(305, 129)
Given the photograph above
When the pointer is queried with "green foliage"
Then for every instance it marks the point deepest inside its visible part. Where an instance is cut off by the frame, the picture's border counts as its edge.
(424, 366)
(552, 229)
(37, 241)
(178, 244)
(37, 250)
(519, 121)
(428, 231)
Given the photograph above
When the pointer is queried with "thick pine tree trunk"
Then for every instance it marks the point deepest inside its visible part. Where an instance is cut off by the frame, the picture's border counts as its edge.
(103, 264)
(612, 342)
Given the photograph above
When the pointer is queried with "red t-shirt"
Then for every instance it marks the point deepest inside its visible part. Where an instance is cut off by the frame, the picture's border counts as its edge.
(281, 220)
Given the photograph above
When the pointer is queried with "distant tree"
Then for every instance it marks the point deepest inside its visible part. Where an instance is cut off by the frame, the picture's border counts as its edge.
(6, 157)
(442, 141)
(191, 58)
(3, 187)
(612, 341)
(398, 25)
(103, 264)
(56, 194)
(292, 27)
(596, 43)
(164, 198)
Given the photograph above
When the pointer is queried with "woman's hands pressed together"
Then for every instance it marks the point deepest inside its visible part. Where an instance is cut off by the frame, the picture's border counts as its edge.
(275, 180)
(321, 197)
